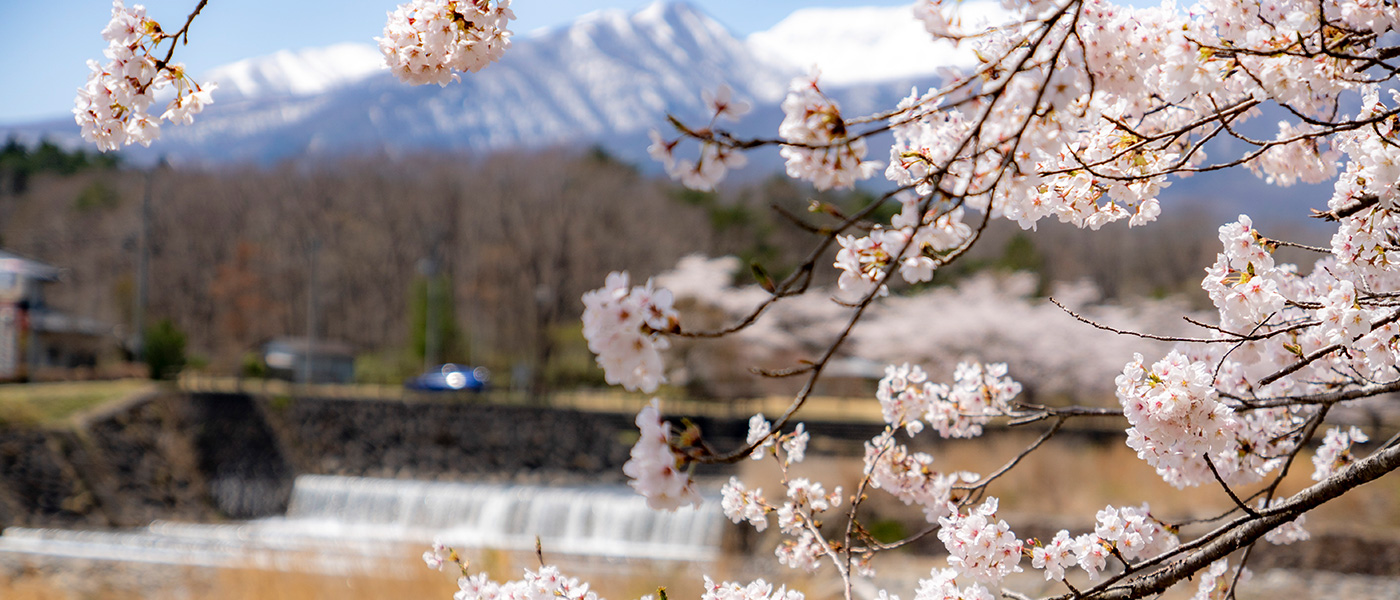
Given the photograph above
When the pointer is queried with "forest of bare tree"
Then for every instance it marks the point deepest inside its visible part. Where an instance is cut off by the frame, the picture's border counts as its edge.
(232, 250)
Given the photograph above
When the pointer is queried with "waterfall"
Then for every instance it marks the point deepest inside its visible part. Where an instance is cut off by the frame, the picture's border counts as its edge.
(337, 518)
(596, 520)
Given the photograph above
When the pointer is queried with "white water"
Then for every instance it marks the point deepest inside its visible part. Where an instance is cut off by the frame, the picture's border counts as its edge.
(341, 524)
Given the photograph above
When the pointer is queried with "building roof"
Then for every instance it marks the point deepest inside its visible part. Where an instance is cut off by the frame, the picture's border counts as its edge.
(14, 263)
(299, 345)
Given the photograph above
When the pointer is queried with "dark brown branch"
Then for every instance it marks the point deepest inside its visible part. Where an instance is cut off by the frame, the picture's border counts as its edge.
(1359, 205)
(1246, 530)
(1160, 338)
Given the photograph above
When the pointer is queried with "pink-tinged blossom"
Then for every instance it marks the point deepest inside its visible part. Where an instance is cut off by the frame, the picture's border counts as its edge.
(438, 555)
(1286, 533)
(1092, 552)
(742, 504)
(863, 260)
(910, 476)
(760, 436)
(1341, 319)
(1217, 580)
(802, 552)
(1335, 452)
(723, 105)
(655, 469)
(812, 495)
(1133, 532)
(979, 392)
(548, 582)
(795, 445)
(757, 590)
(114, 107)
(1243, 282)
(1055, 556)
(904, 395)
(624, 328)
(431, 41)
(942, 584)
(716, 157)
(979, 548)
(1175, 416)
(818, 148)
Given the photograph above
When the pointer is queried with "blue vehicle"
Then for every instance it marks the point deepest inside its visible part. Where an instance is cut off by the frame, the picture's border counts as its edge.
(451, 378)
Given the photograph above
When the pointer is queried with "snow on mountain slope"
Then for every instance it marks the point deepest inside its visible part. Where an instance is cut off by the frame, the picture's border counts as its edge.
(609, 76)
(866, 44)
(296, 72)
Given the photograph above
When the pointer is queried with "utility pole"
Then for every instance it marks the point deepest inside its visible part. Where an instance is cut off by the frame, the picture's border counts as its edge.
(432, 329)
(313, 249)
(143, 258)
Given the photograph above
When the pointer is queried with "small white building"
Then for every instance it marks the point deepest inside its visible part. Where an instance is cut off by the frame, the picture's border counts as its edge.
(33, 337)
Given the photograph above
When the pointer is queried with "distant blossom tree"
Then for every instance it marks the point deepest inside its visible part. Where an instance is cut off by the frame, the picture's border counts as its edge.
(1079, 110)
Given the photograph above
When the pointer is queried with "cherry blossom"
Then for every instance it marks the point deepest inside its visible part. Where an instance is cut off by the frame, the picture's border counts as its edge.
(910, 476)
(817, 147)
(1335, 452)
(979, 548)
(114, 107)
(547, 582)
(742, 504)
(1286, 533)
(1054, 556)
(1081, 111)
(1217, 581)
(655, 469)
(757, 590)
(942, 585)
(431, 41)
(1177, 422)
(624, 328)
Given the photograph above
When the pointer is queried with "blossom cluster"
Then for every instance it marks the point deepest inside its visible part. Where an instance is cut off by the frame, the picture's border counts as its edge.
(1286, 533)
(1177, 422)
(1335, 452)
(757, 590)
(910, 477)
(114, 107)
(978, 547)
(817, 146)
(742, 504)
(1130, 532)
(797, 519)
(978, 393)
(431, 41)
(625, 328)
(912, 242)
(1218, 582)
(655, 469)
(764, 441)
(910, 402)
(716, 158)
(547, 582)
(942, 584)
(1244, 282)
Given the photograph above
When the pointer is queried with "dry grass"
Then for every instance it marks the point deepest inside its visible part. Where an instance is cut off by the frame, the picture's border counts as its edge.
(396, 580)
(49, 403)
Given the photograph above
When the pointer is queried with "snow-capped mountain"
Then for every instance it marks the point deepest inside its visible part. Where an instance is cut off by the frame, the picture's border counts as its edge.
(296, 72)
(606, 79)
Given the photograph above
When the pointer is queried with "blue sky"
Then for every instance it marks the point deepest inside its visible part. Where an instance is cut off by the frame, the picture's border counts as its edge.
(50, 42)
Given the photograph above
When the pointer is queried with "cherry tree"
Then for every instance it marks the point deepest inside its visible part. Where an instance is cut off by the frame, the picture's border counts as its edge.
(1081, 111)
